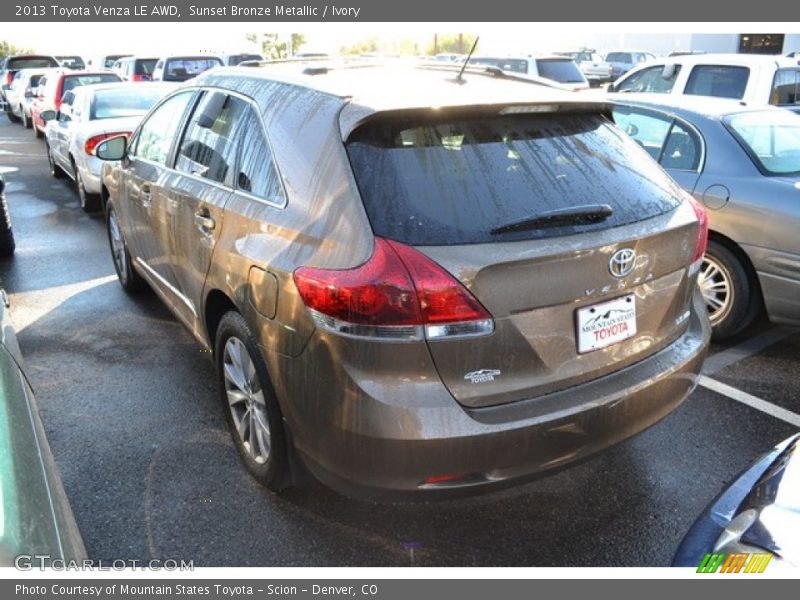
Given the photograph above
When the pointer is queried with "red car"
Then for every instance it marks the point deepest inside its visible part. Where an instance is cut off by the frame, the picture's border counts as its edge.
(54, 87)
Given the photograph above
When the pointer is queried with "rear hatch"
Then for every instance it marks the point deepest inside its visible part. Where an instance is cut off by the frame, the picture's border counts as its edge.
(532, 212)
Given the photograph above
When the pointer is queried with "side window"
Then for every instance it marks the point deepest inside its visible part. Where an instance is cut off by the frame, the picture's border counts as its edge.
(650, 80)
(649, 131)
(682, 149)
(786, 87)
(208, 148)
(156, 134)
(720, 81)
(256, 172)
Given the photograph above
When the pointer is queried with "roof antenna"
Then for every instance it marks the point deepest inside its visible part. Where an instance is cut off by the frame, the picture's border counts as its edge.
(459, 78)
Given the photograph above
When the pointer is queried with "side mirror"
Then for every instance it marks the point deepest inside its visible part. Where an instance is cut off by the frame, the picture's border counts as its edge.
(28, 94)
(668, 72)
(211, 110)
(48, 115)
(610, 88)
(113, 148)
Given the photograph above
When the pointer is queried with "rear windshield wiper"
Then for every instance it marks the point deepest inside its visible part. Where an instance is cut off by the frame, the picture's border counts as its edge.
(575, 215)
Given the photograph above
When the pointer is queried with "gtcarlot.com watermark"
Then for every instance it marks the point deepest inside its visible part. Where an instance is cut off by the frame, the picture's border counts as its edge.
(30, 562)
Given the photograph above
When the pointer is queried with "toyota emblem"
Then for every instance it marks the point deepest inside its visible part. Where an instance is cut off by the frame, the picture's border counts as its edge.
(622, 262)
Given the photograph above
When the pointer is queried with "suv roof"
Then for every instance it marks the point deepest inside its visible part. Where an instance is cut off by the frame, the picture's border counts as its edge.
(707, 106)
(386, 87)
(730, 59)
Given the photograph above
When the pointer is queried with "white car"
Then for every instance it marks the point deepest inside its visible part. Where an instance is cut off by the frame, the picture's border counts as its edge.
(21, 92)
(92, 114)
(593, 65)
(560, 69)
(751, 78)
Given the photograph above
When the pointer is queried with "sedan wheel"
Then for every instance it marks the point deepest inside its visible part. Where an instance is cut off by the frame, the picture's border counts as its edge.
(731, 295)
(715, 283)
(55, 170)
(90, 203)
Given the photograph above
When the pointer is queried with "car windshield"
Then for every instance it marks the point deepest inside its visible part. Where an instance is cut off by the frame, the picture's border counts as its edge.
(115, 104)
(181, 69)
(561, 70)
(452, 181)
(619, 57)
(73, 81)
(772, 139)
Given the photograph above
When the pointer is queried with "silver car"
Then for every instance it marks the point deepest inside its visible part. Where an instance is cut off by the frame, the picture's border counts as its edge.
(743, 164)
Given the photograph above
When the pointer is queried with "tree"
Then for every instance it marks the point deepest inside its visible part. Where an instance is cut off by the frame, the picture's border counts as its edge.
(274, 46)
(7, 49)
(460, 43)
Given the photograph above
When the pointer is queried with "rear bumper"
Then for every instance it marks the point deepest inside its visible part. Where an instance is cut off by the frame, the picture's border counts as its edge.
(383, 449)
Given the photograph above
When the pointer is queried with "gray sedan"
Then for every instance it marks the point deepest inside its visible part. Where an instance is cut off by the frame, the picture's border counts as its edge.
(743, 163)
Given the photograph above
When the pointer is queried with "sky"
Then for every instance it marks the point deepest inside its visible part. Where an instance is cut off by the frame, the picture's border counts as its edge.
(93, 39)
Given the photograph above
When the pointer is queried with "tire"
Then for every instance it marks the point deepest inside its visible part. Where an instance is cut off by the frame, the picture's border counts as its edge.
(728, 290)
(129, 279)
(12, 117)
(26, 120)
(90, 203)
(7, 244)
(55, 170)
(38, 134)
(249, 403)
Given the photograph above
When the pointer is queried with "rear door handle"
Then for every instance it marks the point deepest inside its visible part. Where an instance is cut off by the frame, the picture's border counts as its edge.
(204, 221)
(145, 193)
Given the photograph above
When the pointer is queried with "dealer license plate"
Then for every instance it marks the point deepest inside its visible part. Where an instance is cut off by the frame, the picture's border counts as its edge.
(602, 325)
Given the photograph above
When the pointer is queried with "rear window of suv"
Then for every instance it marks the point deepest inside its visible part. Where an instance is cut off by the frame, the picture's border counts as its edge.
(452, 181)
(561, 70)
(73, 81)
(720, 81)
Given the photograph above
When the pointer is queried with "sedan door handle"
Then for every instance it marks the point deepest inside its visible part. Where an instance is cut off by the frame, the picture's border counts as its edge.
(204, 221)
(145, 194)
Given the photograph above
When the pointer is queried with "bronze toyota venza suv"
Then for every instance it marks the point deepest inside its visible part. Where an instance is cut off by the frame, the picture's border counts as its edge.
(411, 280)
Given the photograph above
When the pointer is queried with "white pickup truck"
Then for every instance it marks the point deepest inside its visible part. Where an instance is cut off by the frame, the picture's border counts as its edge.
(596, 70)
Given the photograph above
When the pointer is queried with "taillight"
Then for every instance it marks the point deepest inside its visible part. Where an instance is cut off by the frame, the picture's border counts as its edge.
(141, 77)
(399, 293)
(702, 229)
(93, 141)
(9, 77)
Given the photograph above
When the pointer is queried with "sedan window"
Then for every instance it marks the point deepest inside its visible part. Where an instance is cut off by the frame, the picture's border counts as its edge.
(157, 132)
(650, 80)
(649, 131)
(772, 139)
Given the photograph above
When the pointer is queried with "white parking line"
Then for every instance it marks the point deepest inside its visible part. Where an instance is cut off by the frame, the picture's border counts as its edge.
(750, 400)
(753, 345)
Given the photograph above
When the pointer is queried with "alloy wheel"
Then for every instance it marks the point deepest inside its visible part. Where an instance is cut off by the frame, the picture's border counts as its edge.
(715, 284)
(117, 245)
(246, 400)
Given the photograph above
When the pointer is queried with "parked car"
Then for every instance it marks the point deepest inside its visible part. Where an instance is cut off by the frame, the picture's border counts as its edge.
(54, 86)
(37, 518)
(7, 244)
(596, 70)
(135, 68)
(11, 64)
(183, 68)
(751, 78)
(560, 69)
(622, 61)
(757, 515)
(71, 62)
(743, 164)
(104, 62)
(20, 95)
(95, 113)
(231, 60)
(432, 303)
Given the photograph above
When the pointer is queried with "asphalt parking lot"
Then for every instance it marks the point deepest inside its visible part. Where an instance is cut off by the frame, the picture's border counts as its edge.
(127, 398)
